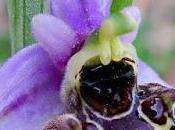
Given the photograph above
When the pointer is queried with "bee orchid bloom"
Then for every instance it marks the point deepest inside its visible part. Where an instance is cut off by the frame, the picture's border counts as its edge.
(30, 80)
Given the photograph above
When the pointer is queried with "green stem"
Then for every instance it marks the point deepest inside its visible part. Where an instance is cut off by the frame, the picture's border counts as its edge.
(118, 5)
(20, 15)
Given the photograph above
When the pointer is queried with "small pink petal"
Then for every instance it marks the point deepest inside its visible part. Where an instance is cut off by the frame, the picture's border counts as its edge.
(148, 75)
(135, 13)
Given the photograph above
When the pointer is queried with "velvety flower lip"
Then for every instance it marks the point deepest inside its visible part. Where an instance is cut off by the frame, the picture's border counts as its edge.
(133, 123)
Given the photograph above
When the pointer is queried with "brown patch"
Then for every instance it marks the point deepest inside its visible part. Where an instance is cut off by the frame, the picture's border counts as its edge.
(157, 100)
(89, 126)
(151, 90)
(154, 109)
(128, 59)
(108, 89)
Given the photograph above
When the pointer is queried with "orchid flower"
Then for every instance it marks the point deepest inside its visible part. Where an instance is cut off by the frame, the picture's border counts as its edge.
(32, 82)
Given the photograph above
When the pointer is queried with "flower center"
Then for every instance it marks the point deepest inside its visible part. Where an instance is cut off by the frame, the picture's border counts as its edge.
(108, 89)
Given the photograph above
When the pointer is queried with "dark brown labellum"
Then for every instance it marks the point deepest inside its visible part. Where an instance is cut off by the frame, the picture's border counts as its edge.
(89, 126)
(172, 128)
(154, 109)
(108, 89)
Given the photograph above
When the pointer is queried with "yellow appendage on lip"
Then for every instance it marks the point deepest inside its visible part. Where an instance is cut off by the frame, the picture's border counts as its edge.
(111, 47)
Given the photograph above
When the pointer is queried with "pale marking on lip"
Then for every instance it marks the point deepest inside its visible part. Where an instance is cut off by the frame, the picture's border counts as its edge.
(173, 113)
(173, 110)
(166, 126)
(88, 120)
(119, 116)
(99, 127)
(72, 116)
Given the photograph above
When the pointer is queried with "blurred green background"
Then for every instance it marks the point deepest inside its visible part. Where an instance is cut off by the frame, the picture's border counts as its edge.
(4, 34)
(154, 43)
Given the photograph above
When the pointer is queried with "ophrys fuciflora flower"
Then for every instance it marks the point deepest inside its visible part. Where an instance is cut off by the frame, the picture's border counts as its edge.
(105, 85)
(100, 88)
